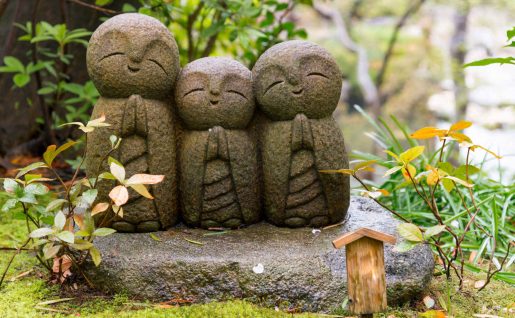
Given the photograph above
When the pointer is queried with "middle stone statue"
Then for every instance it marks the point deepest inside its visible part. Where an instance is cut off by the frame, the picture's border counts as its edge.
(219, 184)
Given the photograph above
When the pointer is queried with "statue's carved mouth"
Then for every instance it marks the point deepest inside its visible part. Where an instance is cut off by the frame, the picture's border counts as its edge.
(213, 102)
(298, 92)
(133, 69)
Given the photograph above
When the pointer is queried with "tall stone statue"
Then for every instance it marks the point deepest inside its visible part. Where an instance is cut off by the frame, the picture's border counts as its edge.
(297, 86)
(218, 158)
(133, 61)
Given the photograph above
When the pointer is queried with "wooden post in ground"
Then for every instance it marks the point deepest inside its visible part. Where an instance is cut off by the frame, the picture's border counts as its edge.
(366, 279)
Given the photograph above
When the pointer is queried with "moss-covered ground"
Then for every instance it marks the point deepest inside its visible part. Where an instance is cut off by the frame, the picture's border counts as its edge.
(24, 296)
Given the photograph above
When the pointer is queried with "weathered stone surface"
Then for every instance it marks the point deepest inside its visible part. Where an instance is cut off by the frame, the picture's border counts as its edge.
(297, 86)
(217, 158)
(300, 268)
(133, 61)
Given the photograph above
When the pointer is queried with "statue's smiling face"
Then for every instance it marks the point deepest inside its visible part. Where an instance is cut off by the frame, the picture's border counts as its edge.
(297, 77)
(215, 92)
(135, 55)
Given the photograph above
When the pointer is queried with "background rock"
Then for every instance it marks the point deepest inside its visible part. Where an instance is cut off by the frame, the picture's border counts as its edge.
(301, 268)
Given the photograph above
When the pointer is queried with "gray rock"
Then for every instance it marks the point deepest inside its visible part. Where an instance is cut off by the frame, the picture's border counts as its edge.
(301, 268)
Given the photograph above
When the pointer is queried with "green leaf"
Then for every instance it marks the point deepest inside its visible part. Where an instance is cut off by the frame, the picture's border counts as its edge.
(28, 198)
(510, 34)
(102, 3)
(106, 175)
(55, 204)
(410, 232)
(95, 255)
(9, 204)
(36, 189)
(404, 246)
(46, 90)
(434, 230)
(44, 231)
(494, 60)
(52, 152)
(448, 185)
(21, 79)
(59, 220)
(14, 64)
(81, 244)
(66, 236)
(103, 231)
(29, 168)
(10, 185)
(89, 196)
(155, 237)
(50, 250)
(461, 171)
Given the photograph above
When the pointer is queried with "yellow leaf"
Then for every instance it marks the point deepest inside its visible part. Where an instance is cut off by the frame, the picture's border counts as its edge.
(459, 137)
(142, 178)
(457, 180)
(393, 155)
(412, 153)
(462, 124)
(363, 165)
(141, 189)
(473, 147)
(342, 171)
(118, 210)
(392, 170)
(99, 207)
(412, 173)
(79, 220)
(119, 195)
(118, 172)
(428, 132)
(433, 177)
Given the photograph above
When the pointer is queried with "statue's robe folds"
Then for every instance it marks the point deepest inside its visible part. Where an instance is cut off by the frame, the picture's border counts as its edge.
(295, 191)
(148, 131)
(219, 178)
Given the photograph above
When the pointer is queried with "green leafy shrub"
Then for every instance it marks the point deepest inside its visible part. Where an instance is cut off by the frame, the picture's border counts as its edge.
(465, 216)
(60, 225)
(242, 29)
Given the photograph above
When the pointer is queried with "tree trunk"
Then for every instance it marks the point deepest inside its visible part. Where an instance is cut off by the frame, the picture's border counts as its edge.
(458, 52)
(17, 113)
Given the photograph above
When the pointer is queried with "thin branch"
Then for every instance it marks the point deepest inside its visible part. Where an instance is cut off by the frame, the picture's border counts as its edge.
(12, 259)
(393, 40)
(94, 7)
(189, 30)
(367, 85)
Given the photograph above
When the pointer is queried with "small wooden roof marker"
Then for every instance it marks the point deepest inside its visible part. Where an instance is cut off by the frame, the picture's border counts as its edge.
(366, 279)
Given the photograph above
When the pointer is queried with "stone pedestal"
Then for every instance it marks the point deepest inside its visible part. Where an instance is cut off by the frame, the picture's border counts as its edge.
(300, 266)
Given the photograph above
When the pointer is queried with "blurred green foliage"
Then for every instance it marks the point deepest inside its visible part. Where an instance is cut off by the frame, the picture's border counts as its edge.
(242, 29)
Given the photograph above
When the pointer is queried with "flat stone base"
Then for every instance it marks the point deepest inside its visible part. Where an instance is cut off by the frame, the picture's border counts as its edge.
(301, 268)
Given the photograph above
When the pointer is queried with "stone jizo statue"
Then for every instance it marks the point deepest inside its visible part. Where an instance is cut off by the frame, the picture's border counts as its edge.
(219, 184)
(223, 148)
(133, 61)
(297, 86)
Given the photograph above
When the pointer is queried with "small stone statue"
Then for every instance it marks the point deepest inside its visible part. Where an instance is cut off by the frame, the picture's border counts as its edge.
(217, 158)
(297, 86)
(133, 61)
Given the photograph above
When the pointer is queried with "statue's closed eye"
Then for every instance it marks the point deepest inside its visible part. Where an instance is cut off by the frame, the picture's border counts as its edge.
(317, 74)
(272, 85)
(238, 93)
(198, 89)
(158, 64)
(110, 54)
